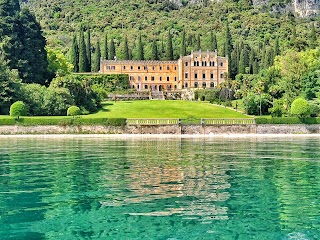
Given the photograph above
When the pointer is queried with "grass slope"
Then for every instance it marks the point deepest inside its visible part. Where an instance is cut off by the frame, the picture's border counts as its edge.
(164, 109)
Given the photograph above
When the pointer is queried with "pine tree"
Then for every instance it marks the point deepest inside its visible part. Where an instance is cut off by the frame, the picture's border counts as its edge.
(183, 44)
(140, 55)
(105, 50)
(126, 54)
(198, 42)
(88, 50)
(169, 49)
(154, 53)
(97, 57)
(83, 61)
(313, 37)
(33, 62)
(112, 50)
(74, 54)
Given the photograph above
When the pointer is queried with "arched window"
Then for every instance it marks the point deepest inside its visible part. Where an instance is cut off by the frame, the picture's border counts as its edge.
(204, 85)
(212, 84)
(186, 85)
(145, 86)
(195, 84)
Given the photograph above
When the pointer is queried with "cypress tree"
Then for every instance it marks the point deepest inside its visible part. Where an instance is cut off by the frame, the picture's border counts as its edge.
(183, 44)
(213, 41)
(112, 50)
(88, 50)
(154, 53)
(313, 37)
(242, 67)
(105, 50)
(162, 52)
(97, 56)
(126, 49)
(83, 61)
(228, 42)
(140, 55)
(251, 61)
(234, 66)
(276, 50)
(74, 54)
(169, 49)
(198, 43)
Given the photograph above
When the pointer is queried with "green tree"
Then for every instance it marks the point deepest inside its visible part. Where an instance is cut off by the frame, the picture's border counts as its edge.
(198, 42)
(74, 54)
(83, 60)
(58, 63)
(313, 37)
(154, 53)
(73, 111)
(18, 109)
(126, 49)
(105, 50)
(169, 48)
(140, 55)
(276, 50)
(183, 49)
(213, 41)
(228, 42)
(242, 66)
(9, 87)
(97, 57)
(88, 51)
(112, 50)
(300, 107)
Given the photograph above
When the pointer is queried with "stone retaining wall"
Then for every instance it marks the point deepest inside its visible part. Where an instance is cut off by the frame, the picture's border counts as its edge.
(165, 129)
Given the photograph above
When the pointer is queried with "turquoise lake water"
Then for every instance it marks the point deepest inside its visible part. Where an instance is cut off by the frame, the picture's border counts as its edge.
(170, 189)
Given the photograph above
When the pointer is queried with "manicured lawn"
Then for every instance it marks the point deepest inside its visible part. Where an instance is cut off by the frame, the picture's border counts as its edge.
(164, 109)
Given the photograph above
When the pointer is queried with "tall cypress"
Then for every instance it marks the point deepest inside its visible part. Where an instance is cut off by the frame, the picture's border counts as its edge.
(88, 50)
(228, 42)
(74, 54)
(276, 50)
(198, 42)
(241, 66)
(169, 49)
(140, 55)
(105, 50)
(183, 44)
(251, 61)
(126, 54)
(154, 52)
(83, 61)
(213, 41)
(97, 57)
(112, 50)
(313, 37)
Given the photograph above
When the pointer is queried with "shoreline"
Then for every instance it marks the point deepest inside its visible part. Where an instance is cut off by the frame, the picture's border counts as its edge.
(159, 136)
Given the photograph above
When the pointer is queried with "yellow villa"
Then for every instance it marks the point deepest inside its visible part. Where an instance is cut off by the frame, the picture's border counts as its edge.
(197, 70)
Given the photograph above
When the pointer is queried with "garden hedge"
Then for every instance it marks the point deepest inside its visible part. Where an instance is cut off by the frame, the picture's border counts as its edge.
(287, 120)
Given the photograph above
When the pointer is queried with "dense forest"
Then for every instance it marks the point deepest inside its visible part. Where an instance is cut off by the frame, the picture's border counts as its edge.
(273, 57)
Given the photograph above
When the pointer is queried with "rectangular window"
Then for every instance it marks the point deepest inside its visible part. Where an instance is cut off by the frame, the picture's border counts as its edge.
(221, 75)
(160, 68)
(195, 75)
(131, 67)
(138, 67)
(211, 75)
(168, 68)
(139, 78)
(160, 78)
(145, 68)
(168, 79)
(153, 67)
(186, 75)
(152, 78)
(175, 68)
(113, 67)
(186, 64)
(175, 79)
(131, 78)
(221, 64)
(108, 67)
(203, 76)
(124, 67)
(146, 78)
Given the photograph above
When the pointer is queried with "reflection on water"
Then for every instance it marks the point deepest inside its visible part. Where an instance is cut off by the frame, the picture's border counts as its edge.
(159, 188)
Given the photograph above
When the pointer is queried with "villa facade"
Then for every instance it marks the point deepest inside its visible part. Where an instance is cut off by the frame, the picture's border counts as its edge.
(197, 70)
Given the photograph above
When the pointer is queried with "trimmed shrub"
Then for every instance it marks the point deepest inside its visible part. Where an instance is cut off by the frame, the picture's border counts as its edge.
(300, 107)
(7, 121)
(73, 111)
(18, 109)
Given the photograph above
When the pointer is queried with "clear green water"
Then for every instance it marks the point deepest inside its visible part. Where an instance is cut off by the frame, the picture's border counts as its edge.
(160, 189)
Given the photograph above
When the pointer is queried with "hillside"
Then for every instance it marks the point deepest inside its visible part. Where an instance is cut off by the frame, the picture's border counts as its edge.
(249, 22)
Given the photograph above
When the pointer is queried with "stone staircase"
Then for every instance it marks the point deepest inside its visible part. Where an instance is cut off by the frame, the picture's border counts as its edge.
(157, 95)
